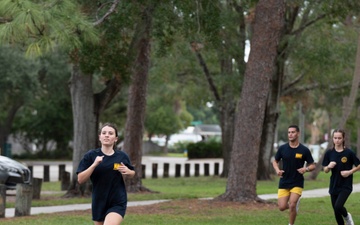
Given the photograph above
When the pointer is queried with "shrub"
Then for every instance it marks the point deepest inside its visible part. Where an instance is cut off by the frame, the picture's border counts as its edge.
(204, 149)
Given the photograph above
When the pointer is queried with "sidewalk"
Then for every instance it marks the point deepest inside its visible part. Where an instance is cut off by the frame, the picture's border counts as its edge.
(10, 212)
(315, 193)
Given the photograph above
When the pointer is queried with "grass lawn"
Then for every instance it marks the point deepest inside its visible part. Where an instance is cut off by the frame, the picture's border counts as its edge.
(185, 208)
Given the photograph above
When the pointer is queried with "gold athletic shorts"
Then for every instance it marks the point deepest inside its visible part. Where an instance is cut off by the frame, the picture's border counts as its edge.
(286, 192)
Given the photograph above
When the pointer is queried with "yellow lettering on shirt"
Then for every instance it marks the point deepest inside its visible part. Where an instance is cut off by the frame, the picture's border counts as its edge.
(116, 166)
(298, 155)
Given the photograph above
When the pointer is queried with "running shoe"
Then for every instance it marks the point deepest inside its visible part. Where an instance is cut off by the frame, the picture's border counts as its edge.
(349, 219)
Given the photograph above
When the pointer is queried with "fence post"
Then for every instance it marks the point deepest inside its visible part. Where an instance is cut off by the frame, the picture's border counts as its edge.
(143, 170)
(206, 169)
(31, 168)
(2, 200)
(197, 169)
(154, 170)
(216, 169)
(177, 170)
(61, 170)
(187, 169)
(166, 170)
(36, 182)
(46, 173)
(23, 199)
(65, 180)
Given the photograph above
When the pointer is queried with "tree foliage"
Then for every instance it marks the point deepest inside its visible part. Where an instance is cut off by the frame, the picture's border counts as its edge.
(18, 79)
(18, 83)
(163, 119)
(42, 26)
(48, 117)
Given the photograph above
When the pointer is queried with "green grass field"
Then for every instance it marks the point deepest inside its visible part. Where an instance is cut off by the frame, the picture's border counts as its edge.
(184, 211)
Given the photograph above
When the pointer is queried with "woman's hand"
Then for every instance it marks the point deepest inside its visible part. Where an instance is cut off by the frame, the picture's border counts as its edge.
(331, 165)
(346, 173)
(98, 160)
(85, 175)
(125, 170)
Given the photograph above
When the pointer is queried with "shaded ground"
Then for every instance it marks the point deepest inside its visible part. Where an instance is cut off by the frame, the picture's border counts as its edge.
(195, 206)
(184, 207)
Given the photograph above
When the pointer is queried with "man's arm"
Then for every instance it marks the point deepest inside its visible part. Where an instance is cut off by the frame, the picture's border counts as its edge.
(277, 169)
(310, 167)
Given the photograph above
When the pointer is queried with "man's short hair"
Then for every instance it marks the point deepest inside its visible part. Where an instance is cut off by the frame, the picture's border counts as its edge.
(295, 126)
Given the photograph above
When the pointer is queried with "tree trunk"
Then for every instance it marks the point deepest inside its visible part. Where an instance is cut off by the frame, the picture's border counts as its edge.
(267, 145)
(85, 123)
(227, 121)
(271, 116)
(137, 100)
(272, 109)
(268, 27)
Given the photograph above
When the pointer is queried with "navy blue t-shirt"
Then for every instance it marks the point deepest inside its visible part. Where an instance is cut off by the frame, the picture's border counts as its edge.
(109, 193)
(293, 159)
(345, 160)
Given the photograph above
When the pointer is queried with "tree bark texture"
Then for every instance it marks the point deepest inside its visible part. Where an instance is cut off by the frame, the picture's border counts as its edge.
(272, 109)
(137, 99)
(267, 146)
(269, 25)
(227, 121)
(85, 121)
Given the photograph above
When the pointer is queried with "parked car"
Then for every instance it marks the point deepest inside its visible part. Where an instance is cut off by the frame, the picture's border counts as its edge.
(13, 172)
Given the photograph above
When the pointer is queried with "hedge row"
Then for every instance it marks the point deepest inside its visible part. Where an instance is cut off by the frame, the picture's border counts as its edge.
(204, 149)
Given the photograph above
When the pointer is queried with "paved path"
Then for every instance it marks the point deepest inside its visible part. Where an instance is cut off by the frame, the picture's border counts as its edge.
(315, 193)
(10, 212)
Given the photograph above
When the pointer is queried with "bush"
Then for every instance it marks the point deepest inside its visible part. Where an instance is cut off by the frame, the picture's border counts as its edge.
(204, 149)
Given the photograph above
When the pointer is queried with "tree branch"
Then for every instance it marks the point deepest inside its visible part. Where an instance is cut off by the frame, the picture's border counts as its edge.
(108, 13)
(195, 48)
(4, 20)
(307, 24)
(290, 90)
(289, 86)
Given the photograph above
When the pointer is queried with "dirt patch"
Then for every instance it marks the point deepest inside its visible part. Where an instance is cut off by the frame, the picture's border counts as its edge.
(195, 206)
